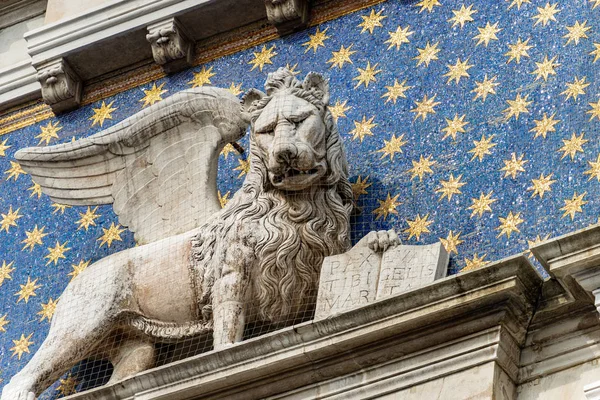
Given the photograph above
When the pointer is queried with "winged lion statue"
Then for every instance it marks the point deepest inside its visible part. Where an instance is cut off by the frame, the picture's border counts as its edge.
(199, 269)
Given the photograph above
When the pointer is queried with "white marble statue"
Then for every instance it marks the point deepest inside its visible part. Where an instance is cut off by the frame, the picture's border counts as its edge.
(198, 269)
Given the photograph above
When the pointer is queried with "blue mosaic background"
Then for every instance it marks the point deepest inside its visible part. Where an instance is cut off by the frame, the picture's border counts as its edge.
(553, 136)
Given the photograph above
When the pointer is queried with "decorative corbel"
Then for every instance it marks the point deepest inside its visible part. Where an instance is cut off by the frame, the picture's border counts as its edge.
(171, 45)
(61, 87)
(287, 15)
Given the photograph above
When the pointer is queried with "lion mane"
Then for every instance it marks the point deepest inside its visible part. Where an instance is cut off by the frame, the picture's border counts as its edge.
(302, 228)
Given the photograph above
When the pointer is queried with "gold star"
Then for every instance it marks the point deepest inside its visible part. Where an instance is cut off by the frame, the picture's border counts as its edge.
(223, 199)
(3, 148)
(14, 171)
(366, 75)
(292, 68)
(5, 271)
(462, 16)
(262, 57)
(227, 149)
(202, 78)
(371, 21)
(316, 40)
(573, 205)
(34, 237)
(102, 113)
(455, 126)
(153, 95)
(387, 207)
(68, 386)
(518, 3)
(541, 185)
(576, 32)
(59, 208)
(243, 167)
(363, 128)
(21, 346)
(594, 171)
(393, 146)
(509, 224)
(457, 71)
(3, 322)
(395, 91)
(111, 234)
(535, 242)
(482, 147)
(576, 88)
(27, 290)
(35, 190)
(338, 58)
(339, 110)
(594, 110)
(77, 269)
(427, 5)
(424, 107)
(485, 87)
(400, 36)
(513, 166)
(48, 309)
(9, 219)
(596, 3)
(428, 54)
(418, 227)
(450, 187)
(474, 263)
(57, 252)
(544, 125)
(518, 50)
(487, 34)
(516, 107)
(573, 145)
(234, 89)
(595, 53)
(421, 167)
(546, 14)
(49, 132)
(482, 204)
(545, 68)
(451, 242)
(360, 186)
(88, 218)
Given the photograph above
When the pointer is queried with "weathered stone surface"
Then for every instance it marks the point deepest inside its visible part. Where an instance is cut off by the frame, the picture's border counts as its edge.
(61, 87)
(361, 275)
(287, 15)
(171, 44)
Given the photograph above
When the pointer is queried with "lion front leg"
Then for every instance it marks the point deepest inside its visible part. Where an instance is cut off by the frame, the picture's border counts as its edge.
(229, 313)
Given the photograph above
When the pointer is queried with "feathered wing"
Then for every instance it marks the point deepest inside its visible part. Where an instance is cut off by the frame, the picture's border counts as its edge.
(158, 168)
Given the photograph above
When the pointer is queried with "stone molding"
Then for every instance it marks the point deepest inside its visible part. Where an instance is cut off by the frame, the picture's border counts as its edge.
(171, 44)
(18, 84)
(61, 87)
(456, 323)
(287, 15)
(13, 12)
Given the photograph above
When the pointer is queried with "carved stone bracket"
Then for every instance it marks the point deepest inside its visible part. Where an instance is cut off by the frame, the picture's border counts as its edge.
(287, 15)
(171, 44)
(61, 87)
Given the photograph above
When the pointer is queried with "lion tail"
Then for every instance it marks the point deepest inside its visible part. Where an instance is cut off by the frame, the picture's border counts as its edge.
(167, 331)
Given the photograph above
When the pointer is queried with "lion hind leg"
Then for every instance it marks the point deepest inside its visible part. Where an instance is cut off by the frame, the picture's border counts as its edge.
(131, 356)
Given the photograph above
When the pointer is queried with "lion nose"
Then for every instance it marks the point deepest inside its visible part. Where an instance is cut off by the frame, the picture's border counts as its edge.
(285, 153)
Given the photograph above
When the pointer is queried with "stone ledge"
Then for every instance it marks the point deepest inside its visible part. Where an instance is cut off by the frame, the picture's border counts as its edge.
(18, 84)
(490, 308)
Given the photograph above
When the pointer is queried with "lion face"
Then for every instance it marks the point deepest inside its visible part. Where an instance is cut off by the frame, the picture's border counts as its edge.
(291, 136)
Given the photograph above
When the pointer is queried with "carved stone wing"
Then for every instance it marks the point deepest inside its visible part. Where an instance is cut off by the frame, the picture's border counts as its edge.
(158, 167)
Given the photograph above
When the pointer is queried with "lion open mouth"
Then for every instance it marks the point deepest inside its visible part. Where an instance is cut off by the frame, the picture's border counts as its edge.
(295, 179)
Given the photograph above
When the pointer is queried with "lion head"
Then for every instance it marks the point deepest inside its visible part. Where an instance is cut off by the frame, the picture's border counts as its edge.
(297, 189)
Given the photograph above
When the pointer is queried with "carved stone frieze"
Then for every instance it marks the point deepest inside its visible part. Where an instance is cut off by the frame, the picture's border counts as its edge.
(61, 87)
(171, 44)
(287, 15)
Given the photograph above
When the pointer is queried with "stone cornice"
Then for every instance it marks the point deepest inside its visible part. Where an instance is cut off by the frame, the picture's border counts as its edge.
(486, 310)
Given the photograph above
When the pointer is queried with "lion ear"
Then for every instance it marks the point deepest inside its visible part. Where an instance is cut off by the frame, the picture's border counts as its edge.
(318, 84)
(250, 97)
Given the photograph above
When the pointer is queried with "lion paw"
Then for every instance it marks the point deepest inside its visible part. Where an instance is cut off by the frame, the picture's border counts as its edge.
(382, 240)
